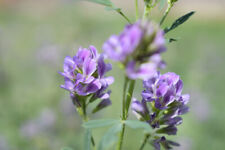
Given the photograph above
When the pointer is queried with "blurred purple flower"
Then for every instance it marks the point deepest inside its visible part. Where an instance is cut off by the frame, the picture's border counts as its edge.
(4, 145)
(119, 47)
(41, 124)
(138, 47)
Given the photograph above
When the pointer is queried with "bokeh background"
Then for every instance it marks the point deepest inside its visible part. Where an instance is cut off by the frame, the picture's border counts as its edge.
(36, 35)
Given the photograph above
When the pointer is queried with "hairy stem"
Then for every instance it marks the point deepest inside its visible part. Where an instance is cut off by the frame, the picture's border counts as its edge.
(170, 5)
(144, 141)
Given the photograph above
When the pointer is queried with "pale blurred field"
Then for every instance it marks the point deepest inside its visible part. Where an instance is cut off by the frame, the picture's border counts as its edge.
(35, 36)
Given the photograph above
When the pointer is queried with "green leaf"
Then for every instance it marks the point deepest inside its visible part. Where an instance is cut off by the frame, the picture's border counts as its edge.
(102, 2)
(66, 148)
(87, 139)
(179, 21)
(110, 137)
(135, 124)
(109, 5)
(112, 8)
(100, 123)
(170, 40)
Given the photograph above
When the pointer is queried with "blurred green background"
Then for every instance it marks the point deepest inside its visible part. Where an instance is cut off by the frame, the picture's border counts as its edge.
(35, 36)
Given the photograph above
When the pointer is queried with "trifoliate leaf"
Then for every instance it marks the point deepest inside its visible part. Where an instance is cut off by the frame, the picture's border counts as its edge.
(102, 2)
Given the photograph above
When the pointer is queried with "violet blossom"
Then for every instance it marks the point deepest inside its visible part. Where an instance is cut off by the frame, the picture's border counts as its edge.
(138, 48)
(84, 75)
(162, 103)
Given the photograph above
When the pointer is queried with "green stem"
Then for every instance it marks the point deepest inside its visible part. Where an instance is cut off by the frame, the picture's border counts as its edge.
(144, 141)
(120, 143)
(83, 114)
(170, 5)
(127, 95)
(136, 8)
(126, 81)
(146, 11)
(123, 15)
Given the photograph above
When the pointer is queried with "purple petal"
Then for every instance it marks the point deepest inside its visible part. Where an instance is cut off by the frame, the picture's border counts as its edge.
(174, 121)
(183, 110)
(144, 71)
(147, 96)
(159, 42)
(104, 103)
(93, 87)
(101, 66)
(170, 77)
(68, 85)
(69, 64)
(184, 98)
(169, 96)
(137, 107)
(162, 90)
(83, 53)
(94, 52)
(170, 130)
(179, 87)
(89, 67)
(107, 80)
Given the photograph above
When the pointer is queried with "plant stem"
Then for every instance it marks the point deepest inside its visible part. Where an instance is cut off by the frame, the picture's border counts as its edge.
(170, 5)
(126, 81)
(146, 11)
(83, 114)
(144, 141)
(127, 95)
(93, 141)
(123, 15)
(136, 8)
(120, 143)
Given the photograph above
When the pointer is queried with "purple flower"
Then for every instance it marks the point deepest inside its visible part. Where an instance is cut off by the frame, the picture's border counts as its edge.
(104, 96)
(140, 109)
(84, 74)
(162, 141)
(138, 48)
(104, 103)
(170, 130)
(119, 47)
(162, 106)
(164, 90)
